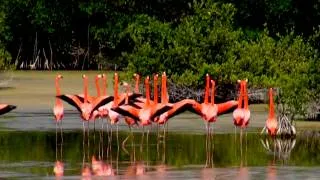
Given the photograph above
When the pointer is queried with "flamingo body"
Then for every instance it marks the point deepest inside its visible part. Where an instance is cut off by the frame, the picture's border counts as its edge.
(58, 112)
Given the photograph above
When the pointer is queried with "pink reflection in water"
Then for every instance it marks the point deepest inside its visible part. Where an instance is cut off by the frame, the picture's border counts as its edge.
(58, 169)
(136, 169)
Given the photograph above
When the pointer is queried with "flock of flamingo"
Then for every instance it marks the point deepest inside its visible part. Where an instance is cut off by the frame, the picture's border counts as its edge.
(135, 109)
(138, 110)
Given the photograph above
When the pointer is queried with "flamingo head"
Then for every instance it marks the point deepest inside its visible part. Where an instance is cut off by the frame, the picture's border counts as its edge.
(135, 75)
(59, 76)
(104, 76)
(58, 168)
(98, 76)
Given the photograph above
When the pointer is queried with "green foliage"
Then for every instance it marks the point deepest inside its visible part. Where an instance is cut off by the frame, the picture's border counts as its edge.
(207, 42)
(228, 39)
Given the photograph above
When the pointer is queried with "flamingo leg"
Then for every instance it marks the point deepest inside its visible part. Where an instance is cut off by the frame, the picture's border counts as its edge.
(117, 135)
(61, 132)
(141, 144)
(241, 142)
(125, 140)
(56, 140)
(88, 139)
(148, 148)
(102, 142)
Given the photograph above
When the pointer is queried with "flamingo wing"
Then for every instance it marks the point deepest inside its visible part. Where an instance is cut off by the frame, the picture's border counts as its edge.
(72, 100)
(127, 110)
(195, 107)
(4, 108)
(131, 96)
(159, 109)
(138, 105)
(179, 107)
(227, 107)
(100, 101)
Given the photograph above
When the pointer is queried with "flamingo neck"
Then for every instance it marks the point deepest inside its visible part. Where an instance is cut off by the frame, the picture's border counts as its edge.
(165, 92)
(116, 79)
(245, 94)
(104, 88)
(162, 88)
(137, 84)
(85, 89)
(212, 92)
(240, 96)
(155, 89)
(147, 91)
(97, 86)
(206, 92)
(127, 95)
(58, 101)
(271, 105)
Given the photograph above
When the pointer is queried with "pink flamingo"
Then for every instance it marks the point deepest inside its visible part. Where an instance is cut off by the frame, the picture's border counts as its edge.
(85, 108)
(241, 116)
(188, 104)
(58, 107)
(238, 114)
(147, 113)
(271, 123)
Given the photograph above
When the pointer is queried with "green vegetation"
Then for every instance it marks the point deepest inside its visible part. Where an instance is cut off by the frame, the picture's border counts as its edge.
(272, 43)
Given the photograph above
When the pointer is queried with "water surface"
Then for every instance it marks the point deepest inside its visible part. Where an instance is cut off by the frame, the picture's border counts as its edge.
(178, 156)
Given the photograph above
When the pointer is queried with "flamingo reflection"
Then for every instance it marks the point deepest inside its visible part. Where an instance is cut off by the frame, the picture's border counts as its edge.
(271, 171)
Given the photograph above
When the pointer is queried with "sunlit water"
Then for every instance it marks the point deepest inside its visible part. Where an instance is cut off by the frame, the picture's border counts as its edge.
(177, 156)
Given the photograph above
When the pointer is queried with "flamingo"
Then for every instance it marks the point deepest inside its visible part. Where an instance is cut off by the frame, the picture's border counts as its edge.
(85, 108)
(177, 108)
(148, 111)
(246, 110)
(207, 110)
(58, 107)
(238, 114)
(118, 100)
(188, 104)
(271, 123)
(241, 115)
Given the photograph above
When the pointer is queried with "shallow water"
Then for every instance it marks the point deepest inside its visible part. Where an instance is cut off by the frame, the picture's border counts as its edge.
(178, 156)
